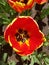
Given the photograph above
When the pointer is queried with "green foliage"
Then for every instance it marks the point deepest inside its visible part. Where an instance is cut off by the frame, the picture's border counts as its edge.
(25, 58)
(46, 59)
(41, 58)
(47, 37)
(12, 63)
(26, 13)
(6, 13)
(2, 41)
(4, 58)
(2, 63)
(44, 12)
(47, 41)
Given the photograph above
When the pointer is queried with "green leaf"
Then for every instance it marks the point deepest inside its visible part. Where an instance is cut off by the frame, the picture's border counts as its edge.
(46, 59)
(32, 61)
(44, 12)
(40, 55)
(2, 63)
(12, 63)
(4, 58)
(4, 19)
(46, 43)
(46, 63)
(36, 59)
(47, 37)
(2, 2)
(2, 41)
(25, 58)
(7, 14)
(26, 13)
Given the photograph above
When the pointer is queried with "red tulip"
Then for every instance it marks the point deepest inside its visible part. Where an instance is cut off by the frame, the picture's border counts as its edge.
(20, 5)
(41, 1)
(24, 35)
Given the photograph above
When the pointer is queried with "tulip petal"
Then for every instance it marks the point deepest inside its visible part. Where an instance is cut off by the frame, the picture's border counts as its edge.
(41, 1)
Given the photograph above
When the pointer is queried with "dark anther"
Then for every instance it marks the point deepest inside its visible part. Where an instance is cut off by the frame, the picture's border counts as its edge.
(18, 0)
(20, 38)
(25, 32)
(20, 31)
(22, 35)
(26, 36)
(25, 1)
(17, 35)
(23, 40)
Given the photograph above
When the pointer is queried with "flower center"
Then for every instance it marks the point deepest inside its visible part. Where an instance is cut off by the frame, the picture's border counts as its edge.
(22, 35)
(23, 1)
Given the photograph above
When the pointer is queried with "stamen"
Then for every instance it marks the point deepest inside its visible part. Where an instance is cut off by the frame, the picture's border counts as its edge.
(25, 32)
(23, 1)
(18, 0)
(22, 35)
(26, 36)
(23, 40)
(20, 31)
(18, 36)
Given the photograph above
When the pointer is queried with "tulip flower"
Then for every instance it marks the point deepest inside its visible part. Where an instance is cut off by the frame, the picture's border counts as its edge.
(20, 5)
(23, 35)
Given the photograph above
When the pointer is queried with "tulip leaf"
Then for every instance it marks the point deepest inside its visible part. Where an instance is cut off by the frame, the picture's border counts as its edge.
(36, 59)
(7, 14)
(12, 63)
(46, 59)
(47, 37)
(2, 63)
(32, 61)
(26, 13)
(46, 43)
(47, 40)
(44, 12)
(2, 41)
(25, 58)
(40, 56)
(4, 58)
(46, 63)
(2, 2)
